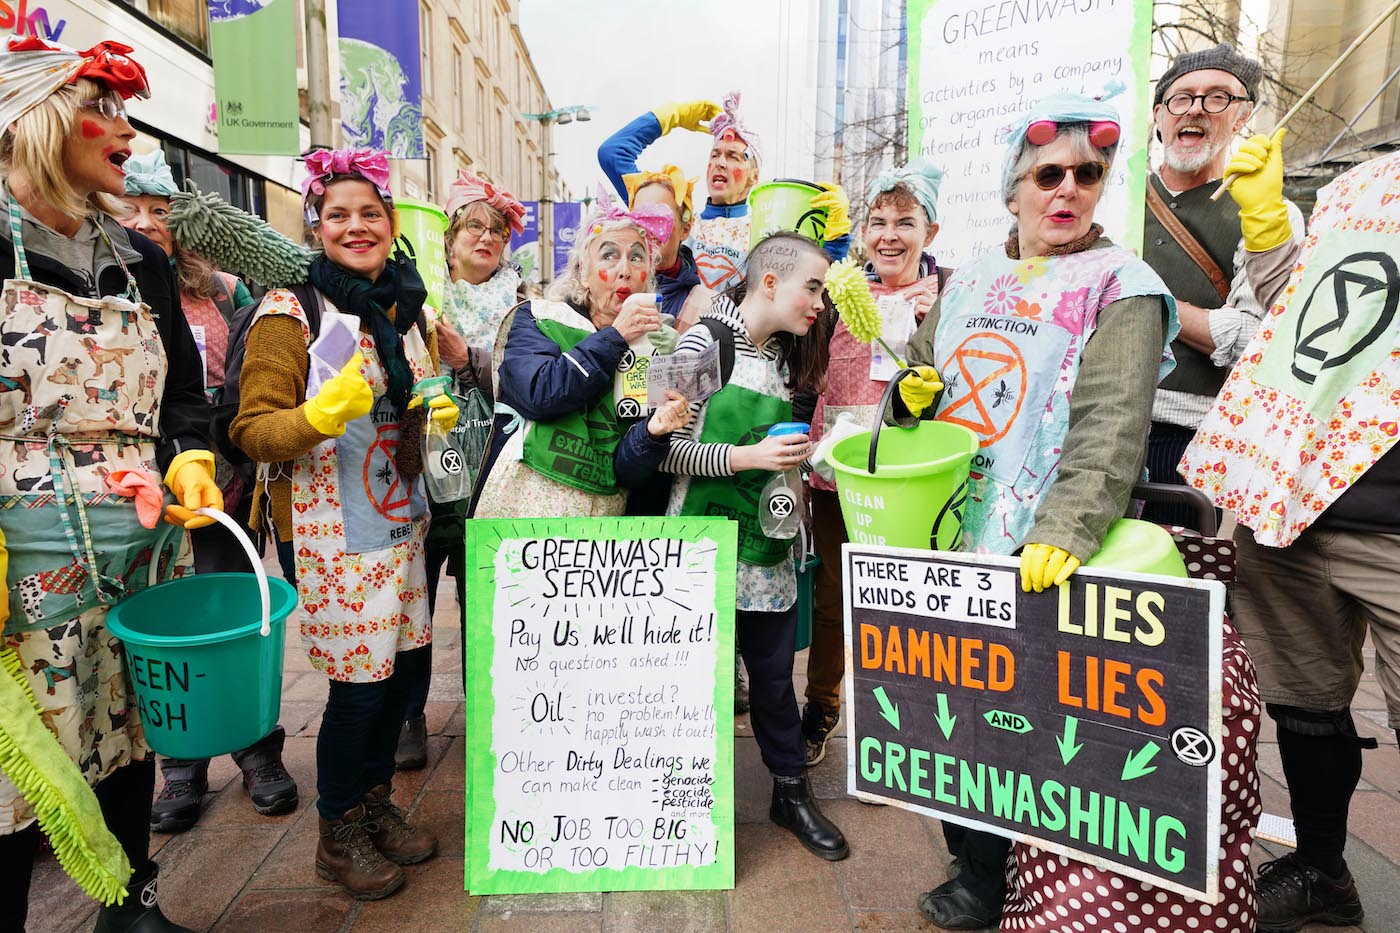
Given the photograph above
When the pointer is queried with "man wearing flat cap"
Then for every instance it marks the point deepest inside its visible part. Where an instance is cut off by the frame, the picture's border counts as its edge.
(1199, 249)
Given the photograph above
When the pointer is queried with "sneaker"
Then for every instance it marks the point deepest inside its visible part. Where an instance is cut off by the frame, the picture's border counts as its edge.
(741, 690)
(1291, 894)
(818, 723)
(177, 807)
(412, 752)
(270, 788)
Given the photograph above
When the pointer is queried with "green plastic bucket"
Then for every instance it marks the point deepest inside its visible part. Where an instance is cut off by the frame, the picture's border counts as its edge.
(204, 653)
(1139, 547)
(904, 487)
(423, 225)
(785, 204)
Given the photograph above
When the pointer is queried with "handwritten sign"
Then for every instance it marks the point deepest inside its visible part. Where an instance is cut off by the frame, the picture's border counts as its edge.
(600, 705)
(976, 67)
(1085, 720)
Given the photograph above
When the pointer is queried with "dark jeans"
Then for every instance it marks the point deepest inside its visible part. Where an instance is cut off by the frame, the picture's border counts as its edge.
(984, 859)
(359, 734)
(125, 797)
(419, 668)
(765, 641)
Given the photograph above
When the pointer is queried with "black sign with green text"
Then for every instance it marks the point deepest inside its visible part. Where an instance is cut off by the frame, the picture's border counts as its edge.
(1085, 720)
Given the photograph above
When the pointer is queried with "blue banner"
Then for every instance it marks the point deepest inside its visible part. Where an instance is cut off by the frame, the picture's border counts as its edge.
(567, 217)
(381, 88)
(525, 246)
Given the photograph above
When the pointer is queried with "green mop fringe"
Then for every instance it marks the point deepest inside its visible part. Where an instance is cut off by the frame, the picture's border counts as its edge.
(55, 818)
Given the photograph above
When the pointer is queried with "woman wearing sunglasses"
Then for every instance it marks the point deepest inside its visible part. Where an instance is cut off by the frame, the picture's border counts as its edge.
(1050, 351)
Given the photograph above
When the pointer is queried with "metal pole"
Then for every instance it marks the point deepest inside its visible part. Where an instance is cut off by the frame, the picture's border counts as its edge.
(318, 77)
(546, 211)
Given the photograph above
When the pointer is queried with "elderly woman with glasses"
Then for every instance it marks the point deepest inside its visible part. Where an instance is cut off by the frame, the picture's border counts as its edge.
(1063, 432)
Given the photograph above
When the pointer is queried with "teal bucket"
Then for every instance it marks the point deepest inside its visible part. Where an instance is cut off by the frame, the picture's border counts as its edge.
(204, 653)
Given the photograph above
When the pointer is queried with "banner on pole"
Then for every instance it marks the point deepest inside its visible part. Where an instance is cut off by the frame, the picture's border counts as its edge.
(381, 87)
(975, 70)
(1085, 720)
(253, 43)
(567, 217)
(600, 655)
(525, 246)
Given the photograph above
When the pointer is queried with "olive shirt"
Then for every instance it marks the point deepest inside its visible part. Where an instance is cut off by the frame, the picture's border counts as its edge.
(271, 426)
(1109, 414)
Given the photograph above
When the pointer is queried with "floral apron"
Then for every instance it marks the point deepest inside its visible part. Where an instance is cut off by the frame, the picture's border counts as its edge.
(357, 531)
(80, 389)
(1008, 346)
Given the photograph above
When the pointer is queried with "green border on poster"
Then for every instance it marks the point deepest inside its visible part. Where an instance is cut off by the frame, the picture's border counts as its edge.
(478, 645)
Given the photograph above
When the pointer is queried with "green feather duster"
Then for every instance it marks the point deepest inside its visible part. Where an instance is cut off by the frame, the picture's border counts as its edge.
(235, 240)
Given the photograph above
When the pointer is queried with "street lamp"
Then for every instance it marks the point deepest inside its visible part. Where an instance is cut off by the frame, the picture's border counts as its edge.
(560, 116)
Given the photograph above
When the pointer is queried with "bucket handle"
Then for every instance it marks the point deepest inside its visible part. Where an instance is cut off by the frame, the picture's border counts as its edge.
(880, 415)
(153, 574)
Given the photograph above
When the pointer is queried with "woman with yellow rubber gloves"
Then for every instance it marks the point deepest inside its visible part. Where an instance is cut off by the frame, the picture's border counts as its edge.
(1051, 351)
(344, 479)
(101, 399)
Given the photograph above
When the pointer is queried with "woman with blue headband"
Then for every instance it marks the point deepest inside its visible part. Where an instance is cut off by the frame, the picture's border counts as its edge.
(1063, 431)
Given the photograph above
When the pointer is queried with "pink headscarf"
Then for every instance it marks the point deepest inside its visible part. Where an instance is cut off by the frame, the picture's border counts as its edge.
(729, 124)
(654, 220)
(469, 188)
(370, 164)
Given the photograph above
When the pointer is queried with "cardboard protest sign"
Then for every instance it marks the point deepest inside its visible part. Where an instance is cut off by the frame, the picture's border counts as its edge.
(975, 70)
(1085, 720)
(600, 704)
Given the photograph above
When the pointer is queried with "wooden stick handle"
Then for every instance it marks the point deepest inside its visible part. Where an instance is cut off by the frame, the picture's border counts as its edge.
(1308, 95)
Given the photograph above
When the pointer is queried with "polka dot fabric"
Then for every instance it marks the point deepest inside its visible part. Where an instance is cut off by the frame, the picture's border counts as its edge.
(1053, 894)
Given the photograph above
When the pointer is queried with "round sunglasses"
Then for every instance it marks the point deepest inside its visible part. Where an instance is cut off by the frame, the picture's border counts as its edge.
(109, 105)
(1086, 174)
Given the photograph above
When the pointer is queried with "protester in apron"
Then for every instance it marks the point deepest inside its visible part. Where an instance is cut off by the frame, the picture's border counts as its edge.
(100, 401)
(344, 484)
(1050, 351)
(558, 431)
(483, 286)
(722, 462)
(900, 225)
(209, 298)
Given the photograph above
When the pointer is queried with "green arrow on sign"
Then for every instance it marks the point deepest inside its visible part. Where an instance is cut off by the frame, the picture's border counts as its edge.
(1011, 722)
(1067, 747)
(945, 722)
(888, 711)
(1136, 765)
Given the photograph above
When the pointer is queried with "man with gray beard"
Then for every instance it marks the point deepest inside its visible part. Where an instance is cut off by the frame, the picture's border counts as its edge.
(1203, 100)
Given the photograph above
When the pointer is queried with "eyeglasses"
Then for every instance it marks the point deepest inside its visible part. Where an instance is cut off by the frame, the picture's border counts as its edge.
(1214, 102)
(478, 229)
(109, 105)
(1086, 174)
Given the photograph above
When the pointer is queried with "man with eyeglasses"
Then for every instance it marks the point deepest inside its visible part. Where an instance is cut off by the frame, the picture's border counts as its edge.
(1203, 100)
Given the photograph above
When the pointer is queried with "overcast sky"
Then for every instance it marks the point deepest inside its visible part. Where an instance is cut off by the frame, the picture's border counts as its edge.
(628, 56)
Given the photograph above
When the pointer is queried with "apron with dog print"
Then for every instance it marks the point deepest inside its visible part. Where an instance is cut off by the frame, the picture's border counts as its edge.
(80, 389)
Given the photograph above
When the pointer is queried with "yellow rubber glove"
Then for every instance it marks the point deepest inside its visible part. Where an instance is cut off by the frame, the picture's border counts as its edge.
(341, 399)
(1044, 566)
(918, 390)
(838, 211)
(1259, 192)
(191, 479)
(688, 114)
(441, 409)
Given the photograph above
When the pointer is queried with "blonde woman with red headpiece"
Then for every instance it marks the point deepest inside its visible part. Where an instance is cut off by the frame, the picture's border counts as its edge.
(100, 397)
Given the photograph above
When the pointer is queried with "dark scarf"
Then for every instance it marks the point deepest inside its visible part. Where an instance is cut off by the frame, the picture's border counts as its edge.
(1013, 243)
(399, 287)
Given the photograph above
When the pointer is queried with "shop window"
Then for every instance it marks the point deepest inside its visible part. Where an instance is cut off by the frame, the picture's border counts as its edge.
(187, 19)
(425, 46)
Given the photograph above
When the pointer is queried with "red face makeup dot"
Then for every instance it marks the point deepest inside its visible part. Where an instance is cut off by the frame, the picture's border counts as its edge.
(91, 130)
(603, 274)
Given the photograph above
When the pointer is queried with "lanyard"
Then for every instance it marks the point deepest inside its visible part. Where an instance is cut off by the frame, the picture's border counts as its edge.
(133, 293)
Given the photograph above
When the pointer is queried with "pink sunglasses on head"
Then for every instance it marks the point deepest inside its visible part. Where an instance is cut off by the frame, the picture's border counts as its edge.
(1102, 133)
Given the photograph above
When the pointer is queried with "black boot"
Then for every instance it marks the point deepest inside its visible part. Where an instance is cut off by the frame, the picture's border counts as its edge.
(177, 808)
(741, 690)
(794, 808)
(139, 913)
(412, 752)
(271, 789)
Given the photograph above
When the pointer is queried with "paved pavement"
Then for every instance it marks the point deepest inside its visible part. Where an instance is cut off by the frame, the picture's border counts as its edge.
(237, 871)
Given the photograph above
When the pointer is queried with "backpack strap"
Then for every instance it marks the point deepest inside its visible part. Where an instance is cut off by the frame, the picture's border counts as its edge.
(312, 304)
(724, 336)
(223, 297)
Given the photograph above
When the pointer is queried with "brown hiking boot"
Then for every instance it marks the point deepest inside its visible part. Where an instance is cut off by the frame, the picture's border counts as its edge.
(392, 834)
(346, 855)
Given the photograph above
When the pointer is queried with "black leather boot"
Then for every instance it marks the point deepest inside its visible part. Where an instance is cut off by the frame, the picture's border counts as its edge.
(139, 913)
(412, 752)
(178, 806)
(794, 808)
(271, 789)
(741, 690)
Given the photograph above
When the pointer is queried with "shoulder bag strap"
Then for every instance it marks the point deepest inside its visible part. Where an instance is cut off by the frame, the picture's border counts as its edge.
(1186, 241)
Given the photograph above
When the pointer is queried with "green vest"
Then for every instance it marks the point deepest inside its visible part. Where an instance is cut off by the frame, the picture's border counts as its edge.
(574, 449)
(738, 415)
(1216, 226)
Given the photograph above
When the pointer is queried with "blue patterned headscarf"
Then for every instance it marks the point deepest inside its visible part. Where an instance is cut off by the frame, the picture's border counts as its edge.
(920, 176)
(149, 174)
